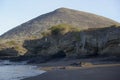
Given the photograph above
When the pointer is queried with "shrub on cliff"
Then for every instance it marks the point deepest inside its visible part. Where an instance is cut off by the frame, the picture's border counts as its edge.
(62, 29)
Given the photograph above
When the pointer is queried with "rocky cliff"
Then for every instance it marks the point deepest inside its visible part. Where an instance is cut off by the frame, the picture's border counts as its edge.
(77, 44)
(63, 33)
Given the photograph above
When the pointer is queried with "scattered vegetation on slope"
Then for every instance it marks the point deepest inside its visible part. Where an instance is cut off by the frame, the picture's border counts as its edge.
(60, 16)
(12, 44)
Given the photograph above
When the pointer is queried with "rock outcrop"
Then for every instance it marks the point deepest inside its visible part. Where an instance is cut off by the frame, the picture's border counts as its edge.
(77, 44)
(8, 52)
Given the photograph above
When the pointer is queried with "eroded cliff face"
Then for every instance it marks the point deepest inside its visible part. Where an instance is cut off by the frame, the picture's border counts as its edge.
(66, 41)
(77, 44)
(104, 41)
(8, 52)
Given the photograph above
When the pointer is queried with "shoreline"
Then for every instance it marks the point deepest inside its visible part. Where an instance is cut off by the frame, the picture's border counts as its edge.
(110, 72)
(73, 69)
(76, 67)
(69, 69)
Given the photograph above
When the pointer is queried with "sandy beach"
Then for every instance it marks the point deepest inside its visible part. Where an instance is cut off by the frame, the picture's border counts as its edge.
(68, 70)
(97, 73)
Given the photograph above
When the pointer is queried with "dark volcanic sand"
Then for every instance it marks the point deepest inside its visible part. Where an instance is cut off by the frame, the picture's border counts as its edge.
(98, 73)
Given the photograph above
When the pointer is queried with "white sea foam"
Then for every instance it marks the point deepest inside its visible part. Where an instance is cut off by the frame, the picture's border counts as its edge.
(18, 72)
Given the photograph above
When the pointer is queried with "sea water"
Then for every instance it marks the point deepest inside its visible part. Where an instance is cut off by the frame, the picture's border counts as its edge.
(17, 71)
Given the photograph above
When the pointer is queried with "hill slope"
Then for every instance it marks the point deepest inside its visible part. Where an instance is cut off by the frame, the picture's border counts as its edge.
(76, 18)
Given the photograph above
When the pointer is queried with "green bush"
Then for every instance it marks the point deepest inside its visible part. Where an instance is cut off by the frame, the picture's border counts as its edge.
(62, 29)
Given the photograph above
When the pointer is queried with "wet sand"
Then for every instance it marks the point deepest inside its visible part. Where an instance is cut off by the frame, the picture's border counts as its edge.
(93, 73)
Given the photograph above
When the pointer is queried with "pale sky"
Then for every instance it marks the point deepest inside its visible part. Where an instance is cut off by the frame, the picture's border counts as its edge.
(16, 12)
